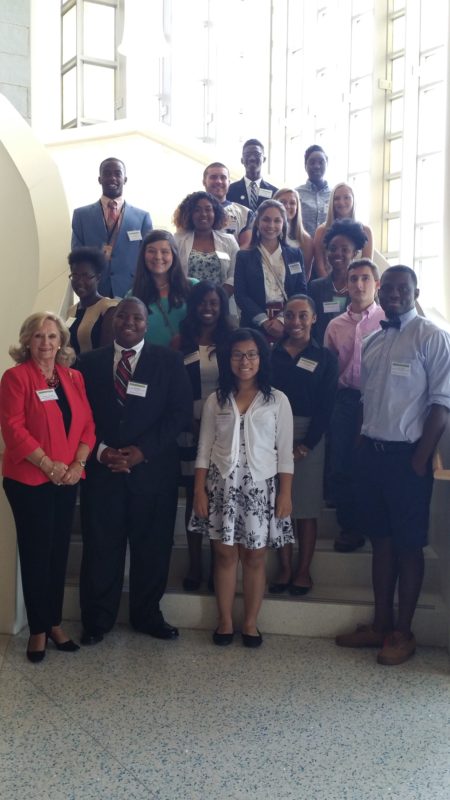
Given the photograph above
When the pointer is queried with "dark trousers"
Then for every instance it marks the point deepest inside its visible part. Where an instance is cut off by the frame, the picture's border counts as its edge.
(344, 429)
(43, 516)
(116, 508)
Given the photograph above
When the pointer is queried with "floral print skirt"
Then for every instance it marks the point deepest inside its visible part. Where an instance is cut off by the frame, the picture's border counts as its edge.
(241, 510)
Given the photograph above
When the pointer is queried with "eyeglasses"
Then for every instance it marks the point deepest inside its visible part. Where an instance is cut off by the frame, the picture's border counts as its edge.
(82, 276)
(252, 355)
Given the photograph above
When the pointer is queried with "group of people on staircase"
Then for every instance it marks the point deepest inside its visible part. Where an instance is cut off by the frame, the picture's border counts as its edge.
(256, 359)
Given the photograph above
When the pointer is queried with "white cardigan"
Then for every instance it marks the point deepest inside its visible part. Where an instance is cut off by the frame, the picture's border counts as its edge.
(226, 248)
(268, 432)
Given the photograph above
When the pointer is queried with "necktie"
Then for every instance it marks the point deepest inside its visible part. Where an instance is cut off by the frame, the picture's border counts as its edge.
(123, 375)
(253, 195)
(112, 215)
(390, 323)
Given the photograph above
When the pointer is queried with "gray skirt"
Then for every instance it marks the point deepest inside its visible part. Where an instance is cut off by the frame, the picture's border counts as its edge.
(307, 486)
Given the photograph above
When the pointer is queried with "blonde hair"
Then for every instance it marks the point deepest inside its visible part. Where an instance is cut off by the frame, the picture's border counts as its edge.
(21, 352)
(296, 229)
(330, 215)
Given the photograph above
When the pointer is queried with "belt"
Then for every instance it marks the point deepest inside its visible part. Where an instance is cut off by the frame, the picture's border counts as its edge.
(389, 447)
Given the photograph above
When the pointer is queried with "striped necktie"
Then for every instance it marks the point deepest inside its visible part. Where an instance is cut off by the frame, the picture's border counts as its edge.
(123, 375)
(253, 195)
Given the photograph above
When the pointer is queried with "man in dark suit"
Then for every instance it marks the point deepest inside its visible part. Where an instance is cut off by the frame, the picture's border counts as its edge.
(114, 227)
(251, 190)
(141, 400)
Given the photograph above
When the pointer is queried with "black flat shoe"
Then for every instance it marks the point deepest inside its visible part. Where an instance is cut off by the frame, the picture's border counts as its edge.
(278, 588)
(222, 639)
(299, 591)
(191, 584)
(251, 641)
(91, 637)
(65, 647)
(35, 656)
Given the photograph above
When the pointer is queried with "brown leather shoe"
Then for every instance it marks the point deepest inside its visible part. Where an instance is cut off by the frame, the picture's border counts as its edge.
(397, 648)
(363, 636)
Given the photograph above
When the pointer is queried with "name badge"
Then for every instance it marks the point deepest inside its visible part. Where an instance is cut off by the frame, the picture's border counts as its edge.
(137, 389)
(46, 394)
(295, 268)
(223, 256)
(306, 363)
(191, 358)
(402, 368)
(265, 193)
(70, 321)
(331, 307)
(134, 236)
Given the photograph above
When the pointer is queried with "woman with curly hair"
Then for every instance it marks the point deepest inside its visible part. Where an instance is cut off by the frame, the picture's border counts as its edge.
(341, 206)
(243, 478)
(162, 286)
(206, 252)
(47, 426)
(342, 242)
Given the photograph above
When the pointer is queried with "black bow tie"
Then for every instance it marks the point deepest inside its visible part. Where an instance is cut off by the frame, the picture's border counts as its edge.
(391, 323)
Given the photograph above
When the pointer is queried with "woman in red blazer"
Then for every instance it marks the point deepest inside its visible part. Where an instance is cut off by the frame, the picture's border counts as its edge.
(48, 430)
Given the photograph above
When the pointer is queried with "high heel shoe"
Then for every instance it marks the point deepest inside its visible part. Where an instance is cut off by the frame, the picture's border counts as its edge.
(35, 656)
(65, 647)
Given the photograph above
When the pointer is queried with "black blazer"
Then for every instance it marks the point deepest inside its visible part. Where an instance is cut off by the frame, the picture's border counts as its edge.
(151, 423)
(249, 289)
(237, 192)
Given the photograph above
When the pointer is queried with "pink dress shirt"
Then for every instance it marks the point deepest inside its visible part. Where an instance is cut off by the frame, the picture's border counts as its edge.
(344, 336)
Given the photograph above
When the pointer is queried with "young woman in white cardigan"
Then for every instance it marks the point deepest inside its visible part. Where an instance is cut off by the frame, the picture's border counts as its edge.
(243, 478)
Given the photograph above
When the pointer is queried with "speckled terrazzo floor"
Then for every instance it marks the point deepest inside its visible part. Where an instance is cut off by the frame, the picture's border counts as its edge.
(299, 719)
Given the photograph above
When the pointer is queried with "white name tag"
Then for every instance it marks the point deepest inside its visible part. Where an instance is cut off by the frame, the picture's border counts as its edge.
(306, 363)
(191, 358)
(134, 236)
(331, 307)
(401, 368)
(46, 394)
(70, 321)
(295, 268)
(223, 256)
(137, 389)
(265, 192)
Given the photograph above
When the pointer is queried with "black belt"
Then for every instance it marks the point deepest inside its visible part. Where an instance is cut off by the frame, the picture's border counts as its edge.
(389, 447)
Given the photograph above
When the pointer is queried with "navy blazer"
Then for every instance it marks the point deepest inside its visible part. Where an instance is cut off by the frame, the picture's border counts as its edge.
(237, 192)
(249, 289)
(151, 423)
(89, 230)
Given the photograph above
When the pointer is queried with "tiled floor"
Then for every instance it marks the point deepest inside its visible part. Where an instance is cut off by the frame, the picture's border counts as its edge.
(299, 719)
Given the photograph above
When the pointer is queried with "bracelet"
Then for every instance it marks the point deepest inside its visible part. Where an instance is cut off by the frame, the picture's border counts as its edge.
(42, 459)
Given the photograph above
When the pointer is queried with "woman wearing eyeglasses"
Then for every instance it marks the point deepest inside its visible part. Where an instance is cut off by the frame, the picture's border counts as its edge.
(89, 320)
(243, 478)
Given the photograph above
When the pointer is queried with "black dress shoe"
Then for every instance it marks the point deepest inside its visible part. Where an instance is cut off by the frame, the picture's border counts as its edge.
(251, 641)
(278, 588)
(65, 647)
(299, 591)
(162, 631)
(35, 656)
(91, 637)
(222, 639)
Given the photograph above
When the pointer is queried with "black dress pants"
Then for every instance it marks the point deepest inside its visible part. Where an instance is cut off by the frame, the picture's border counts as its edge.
(116, 508)
(43, 515)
